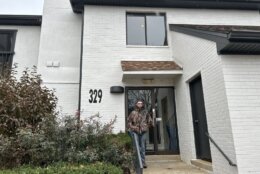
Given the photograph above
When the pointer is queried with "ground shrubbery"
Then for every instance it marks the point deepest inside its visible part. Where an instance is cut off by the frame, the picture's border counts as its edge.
(97, 168)
(30, 132)
(24, 103)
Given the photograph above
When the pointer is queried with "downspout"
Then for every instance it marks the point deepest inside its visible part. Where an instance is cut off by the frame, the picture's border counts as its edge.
(80, 67)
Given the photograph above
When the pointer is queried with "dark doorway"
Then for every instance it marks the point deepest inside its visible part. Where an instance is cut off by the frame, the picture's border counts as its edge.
(160, 102)
(199, 120)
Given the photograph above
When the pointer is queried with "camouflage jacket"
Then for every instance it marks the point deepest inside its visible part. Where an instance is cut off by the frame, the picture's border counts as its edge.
(139, 121)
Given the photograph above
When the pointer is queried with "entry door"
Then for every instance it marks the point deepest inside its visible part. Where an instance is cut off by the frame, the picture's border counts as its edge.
(159, 102)
(199, 120)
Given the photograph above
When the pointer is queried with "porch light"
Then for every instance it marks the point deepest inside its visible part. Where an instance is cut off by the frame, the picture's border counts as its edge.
(147, 81)
(117, 89)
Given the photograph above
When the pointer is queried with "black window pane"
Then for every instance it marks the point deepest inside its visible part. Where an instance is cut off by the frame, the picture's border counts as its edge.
(156, 30)
(5, 61)
(135, 30)
(6, 49)
(5, 42)
(1, 64)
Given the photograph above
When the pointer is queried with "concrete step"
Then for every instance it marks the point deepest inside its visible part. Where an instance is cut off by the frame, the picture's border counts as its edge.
(164, 164)
(202, 164)
(162, 158)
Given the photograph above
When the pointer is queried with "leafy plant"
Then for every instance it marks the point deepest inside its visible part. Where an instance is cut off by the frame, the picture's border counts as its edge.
(27, 118)
(24, 103)
(30, 132)
(93, 142)
(67, 168)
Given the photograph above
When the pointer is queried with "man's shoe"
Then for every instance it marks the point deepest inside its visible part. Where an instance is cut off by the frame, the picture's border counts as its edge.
(145, 165)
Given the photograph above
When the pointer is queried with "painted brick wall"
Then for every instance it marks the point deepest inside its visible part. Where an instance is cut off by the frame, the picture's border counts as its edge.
(104, 48)
(60, 43)
(67, 97)
(242, 80)
(26, 46)
(200, 56)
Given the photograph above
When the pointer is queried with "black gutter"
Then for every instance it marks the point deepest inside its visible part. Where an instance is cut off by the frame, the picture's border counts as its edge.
(237, 36)
(78, 5)
(80, 69)
(209, 35)
(230, 42)
(24, 20)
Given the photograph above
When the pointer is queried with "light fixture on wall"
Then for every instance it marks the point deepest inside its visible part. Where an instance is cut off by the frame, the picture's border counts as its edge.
(148, 81)
(117, 89)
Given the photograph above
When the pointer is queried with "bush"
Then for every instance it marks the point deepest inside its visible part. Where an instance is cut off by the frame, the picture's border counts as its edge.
(97, 168)
(30, 132)
(118, 150)
(27, 118)
(89, 144)
(24, 103)
(93, 142)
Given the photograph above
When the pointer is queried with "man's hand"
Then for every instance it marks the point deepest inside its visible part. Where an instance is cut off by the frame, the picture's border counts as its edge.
(136, 129)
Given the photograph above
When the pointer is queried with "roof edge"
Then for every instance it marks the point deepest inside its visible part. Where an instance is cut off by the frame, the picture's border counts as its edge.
(232, 35)
(25, 20)
(208, 35)
(78, 5)
(232, 42)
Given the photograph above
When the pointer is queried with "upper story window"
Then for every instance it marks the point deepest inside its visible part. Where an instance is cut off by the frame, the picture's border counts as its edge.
(7, 40)
(146, 29)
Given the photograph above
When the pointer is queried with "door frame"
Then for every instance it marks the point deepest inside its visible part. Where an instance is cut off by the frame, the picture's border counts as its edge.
(196, 120)
(156, 151)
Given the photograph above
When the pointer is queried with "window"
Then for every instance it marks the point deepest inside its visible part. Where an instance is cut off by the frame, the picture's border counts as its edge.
(146, 29)
(7, 39)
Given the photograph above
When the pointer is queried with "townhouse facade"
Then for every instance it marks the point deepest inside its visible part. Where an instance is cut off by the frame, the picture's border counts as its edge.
(195, 63)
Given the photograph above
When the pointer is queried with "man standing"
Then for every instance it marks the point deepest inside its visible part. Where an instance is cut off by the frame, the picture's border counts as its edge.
(138, 123)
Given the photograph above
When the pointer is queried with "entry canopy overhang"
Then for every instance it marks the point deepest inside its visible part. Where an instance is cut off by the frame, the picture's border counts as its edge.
(243, 40)
(78, 5)
(150, 70)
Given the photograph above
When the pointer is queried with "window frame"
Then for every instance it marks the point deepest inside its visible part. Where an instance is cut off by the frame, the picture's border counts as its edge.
(9, 53)
(145, 14)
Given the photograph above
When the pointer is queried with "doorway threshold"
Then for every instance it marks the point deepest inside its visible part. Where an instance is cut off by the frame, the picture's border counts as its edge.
(202, 164)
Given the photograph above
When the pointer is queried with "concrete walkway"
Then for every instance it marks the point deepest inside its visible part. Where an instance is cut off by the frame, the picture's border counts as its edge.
(169, 164)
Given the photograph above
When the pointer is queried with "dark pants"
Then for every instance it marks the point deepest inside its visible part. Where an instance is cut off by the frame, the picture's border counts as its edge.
(141, 143)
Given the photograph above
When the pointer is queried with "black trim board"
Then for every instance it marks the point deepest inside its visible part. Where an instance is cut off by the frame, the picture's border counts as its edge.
(81, 66)
(24, 20)
(227, 41)
(78, 5)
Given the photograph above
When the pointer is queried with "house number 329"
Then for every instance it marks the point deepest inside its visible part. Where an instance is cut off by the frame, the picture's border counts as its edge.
(94, 94)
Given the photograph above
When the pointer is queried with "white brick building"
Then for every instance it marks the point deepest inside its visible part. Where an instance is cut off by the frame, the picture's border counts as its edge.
(196, 63)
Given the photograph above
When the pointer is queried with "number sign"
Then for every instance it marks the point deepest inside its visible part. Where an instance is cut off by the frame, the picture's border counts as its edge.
(95, 95)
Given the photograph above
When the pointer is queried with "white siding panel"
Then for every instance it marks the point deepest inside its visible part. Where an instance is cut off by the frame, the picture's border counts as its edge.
(242, 80)
(200, 56)
(61, 44)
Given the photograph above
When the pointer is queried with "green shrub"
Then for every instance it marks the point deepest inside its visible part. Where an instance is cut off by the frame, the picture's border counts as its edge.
(27, 119)
(30, 132)
(93, 142)
(88, 144)
(24, 103)
(117, 150)
(97, 168)
(122, 140)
